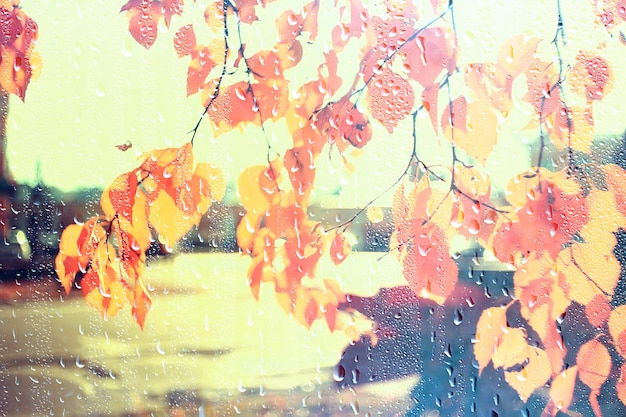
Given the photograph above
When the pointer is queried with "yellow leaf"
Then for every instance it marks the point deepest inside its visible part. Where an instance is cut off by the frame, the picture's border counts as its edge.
(170, 223)
(512, 350)
(375, 214)
(253, 196)
(532, 376)
(489, 332)
(68, 244)
(617, 326)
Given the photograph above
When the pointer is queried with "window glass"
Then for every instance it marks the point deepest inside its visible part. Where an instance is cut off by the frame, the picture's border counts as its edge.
(320, 208)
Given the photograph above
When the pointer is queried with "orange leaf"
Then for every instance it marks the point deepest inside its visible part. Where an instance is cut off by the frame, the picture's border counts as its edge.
(247, 9)
(470, 215)
(119, 197)
(18, 60)
(108, 301)
(203, 60)
(257, 188)
(598, 310)
(490, 84)
(562, 390)
(340, 248)
(594, 364)
(300, 165)
(141, 304)
(342, 122)
(428, 268)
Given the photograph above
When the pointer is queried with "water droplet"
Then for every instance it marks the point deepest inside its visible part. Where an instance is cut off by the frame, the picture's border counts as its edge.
(339, 373)
(458, 317)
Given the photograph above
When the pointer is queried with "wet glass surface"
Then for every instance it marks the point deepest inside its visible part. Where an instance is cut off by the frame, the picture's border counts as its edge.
(321, 208)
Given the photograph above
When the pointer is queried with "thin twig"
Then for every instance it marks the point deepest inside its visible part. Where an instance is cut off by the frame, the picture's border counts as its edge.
(216, 91)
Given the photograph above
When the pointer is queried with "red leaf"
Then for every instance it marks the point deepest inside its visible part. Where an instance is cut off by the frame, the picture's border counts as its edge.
(247, 9)
(548, 219)
(184, 41)
(343, 122)
(391, 98)
(431, 52)
(19, 35)
(144, 16)
(170, 8)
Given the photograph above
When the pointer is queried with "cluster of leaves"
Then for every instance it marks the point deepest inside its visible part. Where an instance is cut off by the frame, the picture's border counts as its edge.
(18, 60)
(556, 229)
(165, 194)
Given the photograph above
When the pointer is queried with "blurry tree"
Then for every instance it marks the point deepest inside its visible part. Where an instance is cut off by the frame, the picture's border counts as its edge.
(556, 228)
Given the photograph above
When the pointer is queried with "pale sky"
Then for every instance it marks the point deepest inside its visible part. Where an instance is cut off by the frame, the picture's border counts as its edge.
(99, 88)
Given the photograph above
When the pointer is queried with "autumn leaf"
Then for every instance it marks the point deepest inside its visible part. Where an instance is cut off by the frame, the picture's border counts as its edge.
(598, 310)
(473, 126)
(489, 84)
(247, 9)
(143, 17)
(617, 329)
(594, 367)
(344, 123)
(300, 164)
(471, 214)
(516, 53)
(427, 266)
(562, 390)
(591, 76)
(428, 54)
(550, 209)
(184, 41)
(77, 247)
(140, 304)
(533, 374)
(489, 333)
(391, 98)
(18, 60)
(340, 248)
